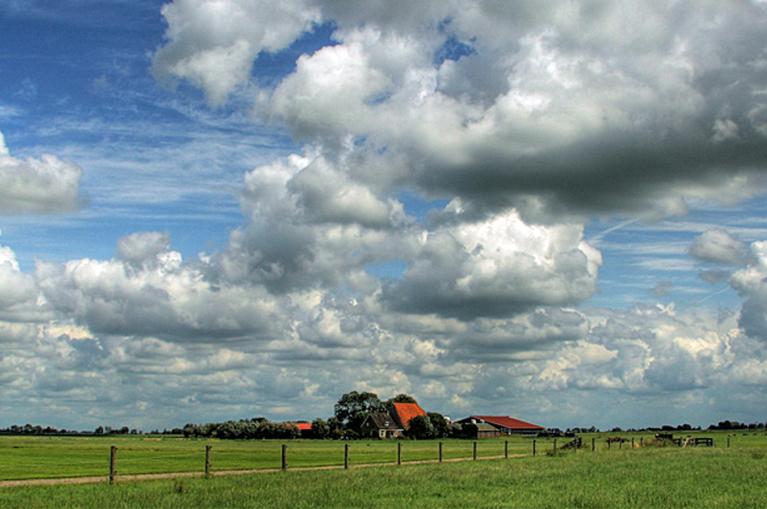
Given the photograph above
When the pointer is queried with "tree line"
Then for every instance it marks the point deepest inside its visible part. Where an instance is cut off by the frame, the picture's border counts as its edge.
(36, 429)
(243, 429)
(350, 412)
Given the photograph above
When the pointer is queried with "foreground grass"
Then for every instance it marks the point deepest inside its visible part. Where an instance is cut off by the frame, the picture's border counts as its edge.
(647, 478)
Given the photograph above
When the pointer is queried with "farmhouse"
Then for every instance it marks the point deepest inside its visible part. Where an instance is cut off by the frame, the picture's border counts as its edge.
(386, 425)
(381, 425)
(504, 424)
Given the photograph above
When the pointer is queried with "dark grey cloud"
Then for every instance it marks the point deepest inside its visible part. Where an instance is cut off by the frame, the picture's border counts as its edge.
(714, 276)
(526, 335)
(662, 288)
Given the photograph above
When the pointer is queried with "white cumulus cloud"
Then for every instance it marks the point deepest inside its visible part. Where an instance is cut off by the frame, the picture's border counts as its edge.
(44, 185)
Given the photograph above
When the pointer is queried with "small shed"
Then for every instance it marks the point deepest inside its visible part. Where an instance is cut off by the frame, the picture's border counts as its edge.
(381, 425)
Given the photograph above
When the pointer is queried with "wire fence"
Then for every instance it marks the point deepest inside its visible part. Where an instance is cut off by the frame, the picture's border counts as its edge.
(206, 458)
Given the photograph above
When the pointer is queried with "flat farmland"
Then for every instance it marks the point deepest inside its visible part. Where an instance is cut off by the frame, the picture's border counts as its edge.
(32, 457)
(668, 478)
(56, 457)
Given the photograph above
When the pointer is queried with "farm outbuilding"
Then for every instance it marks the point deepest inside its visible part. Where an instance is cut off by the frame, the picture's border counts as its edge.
(504, 424)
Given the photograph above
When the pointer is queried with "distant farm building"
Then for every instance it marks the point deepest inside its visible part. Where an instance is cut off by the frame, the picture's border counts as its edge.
(304, 428)
(381, 425)
(391, 425)
(504, 424)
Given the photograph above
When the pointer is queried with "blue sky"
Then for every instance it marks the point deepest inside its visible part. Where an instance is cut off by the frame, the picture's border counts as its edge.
(419, 194)
(79, 86)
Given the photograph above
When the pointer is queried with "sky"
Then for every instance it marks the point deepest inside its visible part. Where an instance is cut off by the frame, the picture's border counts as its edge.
(222, 209)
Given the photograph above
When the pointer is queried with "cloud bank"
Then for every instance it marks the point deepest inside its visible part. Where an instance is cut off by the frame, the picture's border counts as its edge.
(570, 110)
(517, 125)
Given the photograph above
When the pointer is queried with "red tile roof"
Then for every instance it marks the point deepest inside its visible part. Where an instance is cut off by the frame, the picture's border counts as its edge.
(303, 426)
(505, 421)
(407, 411)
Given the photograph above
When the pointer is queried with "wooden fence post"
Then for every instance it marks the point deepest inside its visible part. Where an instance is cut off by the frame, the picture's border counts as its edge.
(728, 441)
(284, 456)
(506, 449)
(399, 453)
(533, 447)
(346, 456)
(112, 464)
(632, 442)
(440, 452)
(207, 460)
(474, 450)
(641, 441)
(593, 444)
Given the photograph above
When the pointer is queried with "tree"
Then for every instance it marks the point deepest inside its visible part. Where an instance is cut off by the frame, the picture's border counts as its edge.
(456, 430)
(320, 428)
(440, 425)
(421, 428)
(354, 406)
(228, 430)
(285, 430)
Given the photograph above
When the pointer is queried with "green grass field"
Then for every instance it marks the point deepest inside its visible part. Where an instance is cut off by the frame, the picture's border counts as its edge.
(642, 478)
(52, 457)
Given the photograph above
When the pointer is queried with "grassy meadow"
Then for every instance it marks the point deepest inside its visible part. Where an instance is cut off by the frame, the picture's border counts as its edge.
(699, 478)
(52, 457)
(30, 457)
